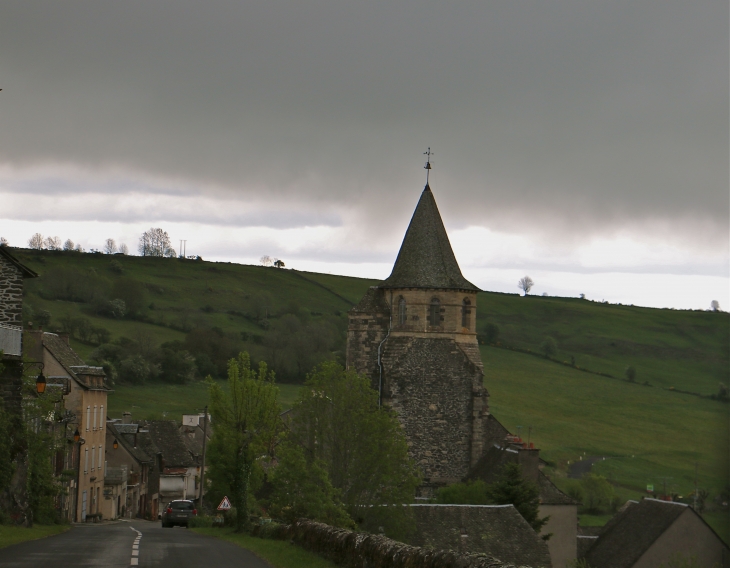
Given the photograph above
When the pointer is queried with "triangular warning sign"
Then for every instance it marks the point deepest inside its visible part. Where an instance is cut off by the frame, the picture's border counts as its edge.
(225, 504)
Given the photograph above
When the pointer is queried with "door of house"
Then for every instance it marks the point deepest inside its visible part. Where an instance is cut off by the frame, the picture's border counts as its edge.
(83, 507)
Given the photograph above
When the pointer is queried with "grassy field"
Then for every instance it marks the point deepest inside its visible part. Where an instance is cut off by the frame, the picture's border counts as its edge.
(157, 401)
(278, 553)
(15, 535)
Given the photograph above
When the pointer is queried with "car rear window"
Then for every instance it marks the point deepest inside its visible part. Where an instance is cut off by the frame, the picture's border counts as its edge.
(184, 505)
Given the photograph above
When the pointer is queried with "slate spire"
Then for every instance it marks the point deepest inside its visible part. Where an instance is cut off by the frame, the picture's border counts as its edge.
(425, 259)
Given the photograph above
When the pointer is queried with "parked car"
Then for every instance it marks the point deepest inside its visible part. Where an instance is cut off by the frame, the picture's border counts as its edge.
(178, 513)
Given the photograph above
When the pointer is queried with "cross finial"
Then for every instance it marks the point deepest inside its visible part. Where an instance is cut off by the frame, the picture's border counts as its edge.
(427, 167)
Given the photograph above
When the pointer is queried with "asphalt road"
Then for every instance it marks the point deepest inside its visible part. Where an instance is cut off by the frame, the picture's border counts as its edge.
(136, 543)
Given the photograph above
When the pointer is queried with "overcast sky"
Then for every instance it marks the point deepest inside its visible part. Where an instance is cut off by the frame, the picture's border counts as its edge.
(582, 143)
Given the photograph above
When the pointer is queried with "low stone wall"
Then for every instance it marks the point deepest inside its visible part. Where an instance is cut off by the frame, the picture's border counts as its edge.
(363, 550)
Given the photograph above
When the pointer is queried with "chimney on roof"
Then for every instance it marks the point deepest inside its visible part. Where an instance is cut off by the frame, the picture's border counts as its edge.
(64, 337)
(127, 418)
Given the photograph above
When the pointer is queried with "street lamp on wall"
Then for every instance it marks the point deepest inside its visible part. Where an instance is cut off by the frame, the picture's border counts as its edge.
(40, 383)
(77, 435)
(115, 445)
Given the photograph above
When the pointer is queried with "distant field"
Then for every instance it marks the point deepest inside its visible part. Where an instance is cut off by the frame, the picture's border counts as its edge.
(156, 401)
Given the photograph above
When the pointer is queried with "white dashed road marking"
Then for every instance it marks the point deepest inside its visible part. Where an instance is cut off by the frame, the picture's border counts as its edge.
(135, 548)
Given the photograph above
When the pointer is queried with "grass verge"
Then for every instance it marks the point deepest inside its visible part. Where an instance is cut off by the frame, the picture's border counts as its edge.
(278, 553)
(14, 535)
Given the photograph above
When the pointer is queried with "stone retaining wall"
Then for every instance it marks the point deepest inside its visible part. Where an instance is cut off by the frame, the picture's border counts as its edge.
(363, 550)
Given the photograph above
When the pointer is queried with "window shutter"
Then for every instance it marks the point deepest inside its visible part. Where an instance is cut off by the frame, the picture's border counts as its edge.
(86, 460)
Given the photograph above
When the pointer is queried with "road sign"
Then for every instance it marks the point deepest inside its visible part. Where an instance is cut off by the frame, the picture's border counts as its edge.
(225, 504)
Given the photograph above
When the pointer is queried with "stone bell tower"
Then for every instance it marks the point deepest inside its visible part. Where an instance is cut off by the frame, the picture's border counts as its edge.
(414, 335)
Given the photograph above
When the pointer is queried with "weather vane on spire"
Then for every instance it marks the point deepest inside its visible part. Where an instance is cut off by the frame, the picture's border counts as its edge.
(427, 167)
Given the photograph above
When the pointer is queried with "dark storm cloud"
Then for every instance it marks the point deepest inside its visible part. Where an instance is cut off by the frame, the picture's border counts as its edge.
(572, 116)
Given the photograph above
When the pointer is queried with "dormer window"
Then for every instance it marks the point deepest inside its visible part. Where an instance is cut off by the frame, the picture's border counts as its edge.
(434, 316)
(465, 313)
(402, 317)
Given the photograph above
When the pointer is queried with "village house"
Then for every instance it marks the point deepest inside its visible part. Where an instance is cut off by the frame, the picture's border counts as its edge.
(654, 533)
(84, 402)
(123, 450)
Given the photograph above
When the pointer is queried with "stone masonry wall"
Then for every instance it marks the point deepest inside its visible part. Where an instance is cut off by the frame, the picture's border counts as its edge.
(363, 550)
(11, 293)
(432, 386)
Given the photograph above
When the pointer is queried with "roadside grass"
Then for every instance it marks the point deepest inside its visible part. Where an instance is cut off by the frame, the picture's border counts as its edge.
(155, 401)
(10, 535)
(646, 434)
(278, 553)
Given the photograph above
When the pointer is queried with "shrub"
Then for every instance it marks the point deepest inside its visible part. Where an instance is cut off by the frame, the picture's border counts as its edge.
(549, 347)
(200, 521)
(597, 492)
(116, 267)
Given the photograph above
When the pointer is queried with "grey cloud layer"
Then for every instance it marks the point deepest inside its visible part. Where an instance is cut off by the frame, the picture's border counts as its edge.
(573, 115)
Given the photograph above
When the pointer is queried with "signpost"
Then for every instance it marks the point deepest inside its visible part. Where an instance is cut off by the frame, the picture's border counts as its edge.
(225, 504)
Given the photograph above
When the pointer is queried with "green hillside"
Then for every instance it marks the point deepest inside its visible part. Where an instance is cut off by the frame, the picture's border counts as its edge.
(578, 403)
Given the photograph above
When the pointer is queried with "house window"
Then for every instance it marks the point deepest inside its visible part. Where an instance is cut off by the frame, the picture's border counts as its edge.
(434, 316)
(93, 455)
(88, 417)
(94, 417)
(86, 460)
(465, 313)
(101, 455)
(101, 418)
(402, 311)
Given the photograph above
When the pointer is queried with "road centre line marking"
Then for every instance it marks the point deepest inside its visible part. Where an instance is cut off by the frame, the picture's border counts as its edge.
(135, 562)
(135, 553)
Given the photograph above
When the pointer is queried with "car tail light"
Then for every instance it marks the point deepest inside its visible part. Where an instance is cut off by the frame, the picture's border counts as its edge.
(169, 510)
(195, 511)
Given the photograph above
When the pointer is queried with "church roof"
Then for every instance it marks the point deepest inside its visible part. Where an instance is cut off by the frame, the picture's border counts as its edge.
(425, 259)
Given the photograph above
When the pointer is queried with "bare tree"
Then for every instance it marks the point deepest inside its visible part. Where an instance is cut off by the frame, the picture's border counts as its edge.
(36, 242)
(266, 260)
(110, 246)
(124, 249)
(715, 306)
(279, 263)
(68, 245)
(53, 243)
(3, 242)
(525, 284)
(156, 242)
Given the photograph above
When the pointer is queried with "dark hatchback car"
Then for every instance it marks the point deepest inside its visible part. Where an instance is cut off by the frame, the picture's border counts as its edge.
(178, 513)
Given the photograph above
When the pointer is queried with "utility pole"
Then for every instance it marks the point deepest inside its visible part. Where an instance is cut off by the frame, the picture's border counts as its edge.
(695, 499)
(202, 469)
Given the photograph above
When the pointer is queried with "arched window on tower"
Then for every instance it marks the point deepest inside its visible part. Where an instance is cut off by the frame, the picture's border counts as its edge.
(465, 313)
(402, 317)
(434, 316)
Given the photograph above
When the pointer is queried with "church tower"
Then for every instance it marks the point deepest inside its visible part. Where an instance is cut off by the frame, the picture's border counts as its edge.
(414, 335)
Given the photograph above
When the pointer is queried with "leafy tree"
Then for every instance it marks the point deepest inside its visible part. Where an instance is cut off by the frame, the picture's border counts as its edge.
(156, 242)
(132, 292)
(715, 306)
(116, 308)
(79, 248)
(4, 242)
(36, 242)
(630, 373)
(246, 419)
(42, 318)
(137, 370)
(491, 333)
(176, 366)
(110, 246)
(469, 493)
(549, 347)
(512, 488)
(362, 447)
(278, 263)
(304, 489)
(68, 245)
(597, 493)
(525, 284)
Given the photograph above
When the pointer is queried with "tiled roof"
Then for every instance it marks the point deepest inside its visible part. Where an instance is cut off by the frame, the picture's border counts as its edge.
(426, 259)
(127, 428)
(126, 440)
(373, 302)
(497, 530)
(166, 436)
(630, 533)
(550, 494)
(70, 360)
